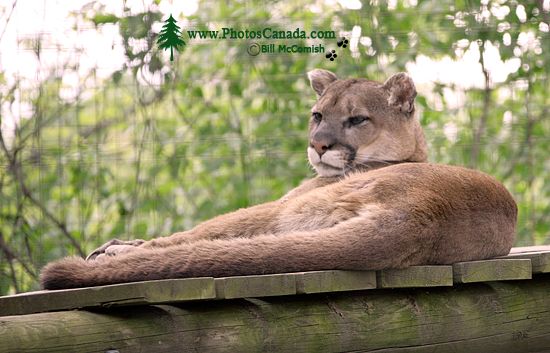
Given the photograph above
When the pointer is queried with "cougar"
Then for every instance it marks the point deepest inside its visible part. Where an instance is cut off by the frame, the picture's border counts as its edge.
(376, 203)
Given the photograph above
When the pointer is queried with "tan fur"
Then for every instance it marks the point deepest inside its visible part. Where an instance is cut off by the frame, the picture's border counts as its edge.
(367, 209)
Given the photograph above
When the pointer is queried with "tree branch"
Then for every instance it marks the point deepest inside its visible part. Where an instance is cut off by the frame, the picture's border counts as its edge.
(15, 168)
(11, 255)
(8, 19)
(478, 133)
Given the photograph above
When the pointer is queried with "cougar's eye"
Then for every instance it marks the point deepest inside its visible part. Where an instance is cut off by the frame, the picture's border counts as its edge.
(356, 120)
(317, 117)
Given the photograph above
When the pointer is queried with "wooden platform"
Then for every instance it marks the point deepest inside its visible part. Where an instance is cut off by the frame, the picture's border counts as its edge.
(417, 296)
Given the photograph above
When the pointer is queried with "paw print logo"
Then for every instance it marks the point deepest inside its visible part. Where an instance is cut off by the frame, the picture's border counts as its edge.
(343, 42)
(331, 55)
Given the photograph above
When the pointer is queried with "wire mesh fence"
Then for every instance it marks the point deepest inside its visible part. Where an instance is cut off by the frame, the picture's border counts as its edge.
(103, 136)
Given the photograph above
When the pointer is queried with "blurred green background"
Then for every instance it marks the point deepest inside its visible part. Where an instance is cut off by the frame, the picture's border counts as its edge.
(144, 147)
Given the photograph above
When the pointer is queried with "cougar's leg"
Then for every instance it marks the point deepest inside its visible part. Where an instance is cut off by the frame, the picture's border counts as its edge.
(382, 240)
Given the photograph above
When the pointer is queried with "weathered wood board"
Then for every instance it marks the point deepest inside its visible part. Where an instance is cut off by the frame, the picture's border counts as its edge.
(416, 276)
(492, 317)
(492, 270)
(293, 283)
(530, 249)
(518, 265)
(167, 291)
(150, 292)
(255, 286)
(539, 256)
(334, 281)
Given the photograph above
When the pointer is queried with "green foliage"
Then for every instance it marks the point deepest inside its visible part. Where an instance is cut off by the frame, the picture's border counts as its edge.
(101, 18)
(162, 146)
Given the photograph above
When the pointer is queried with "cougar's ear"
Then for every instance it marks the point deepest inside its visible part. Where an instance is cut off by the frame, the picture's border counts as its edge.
(320, 80)
(401, 92)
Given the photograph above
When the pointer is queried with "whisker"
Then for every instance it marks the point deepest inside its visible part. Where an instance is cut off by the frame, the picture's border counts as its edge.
(370, 160)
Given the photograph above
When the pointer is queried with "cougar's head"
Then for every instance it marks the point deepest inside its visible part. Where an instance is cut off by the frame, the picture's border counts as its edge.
(359, 123)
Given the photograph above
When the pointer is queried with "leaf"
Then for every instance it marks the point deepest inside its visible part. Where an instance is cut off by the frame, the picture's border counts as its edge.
(100, 19)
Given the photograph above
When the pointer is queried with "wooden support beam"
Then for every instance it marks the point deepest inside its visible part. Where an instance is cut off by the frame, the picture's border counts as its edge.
(492, 270)
(493, 317)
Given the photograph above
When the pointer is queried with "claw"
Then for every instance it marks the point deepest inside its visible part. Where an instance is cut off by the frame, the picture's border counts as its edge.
(102, 249)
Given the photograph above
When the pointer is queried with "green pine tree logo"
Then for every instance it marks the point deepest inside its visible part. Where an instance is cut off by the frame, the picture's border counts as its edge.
(170, 37)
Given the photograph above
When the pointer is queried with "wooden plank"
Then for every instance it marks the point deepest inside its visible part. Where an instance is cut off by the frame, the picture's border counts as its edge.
(492, 317)
(492, 270)
(255, 286)
(150, 292)
(539, 256)
(540, 261)
(334, 281)
(415, 276)
(530, 249)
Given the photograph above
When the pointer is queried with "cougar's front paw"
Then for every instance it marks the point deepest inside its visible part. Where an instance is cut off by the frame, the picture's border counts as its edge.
(114, 247)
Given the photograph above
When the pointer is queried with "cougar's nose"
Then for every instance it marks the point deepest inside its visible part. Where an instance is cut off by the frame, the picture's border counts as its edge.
(321, 145)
